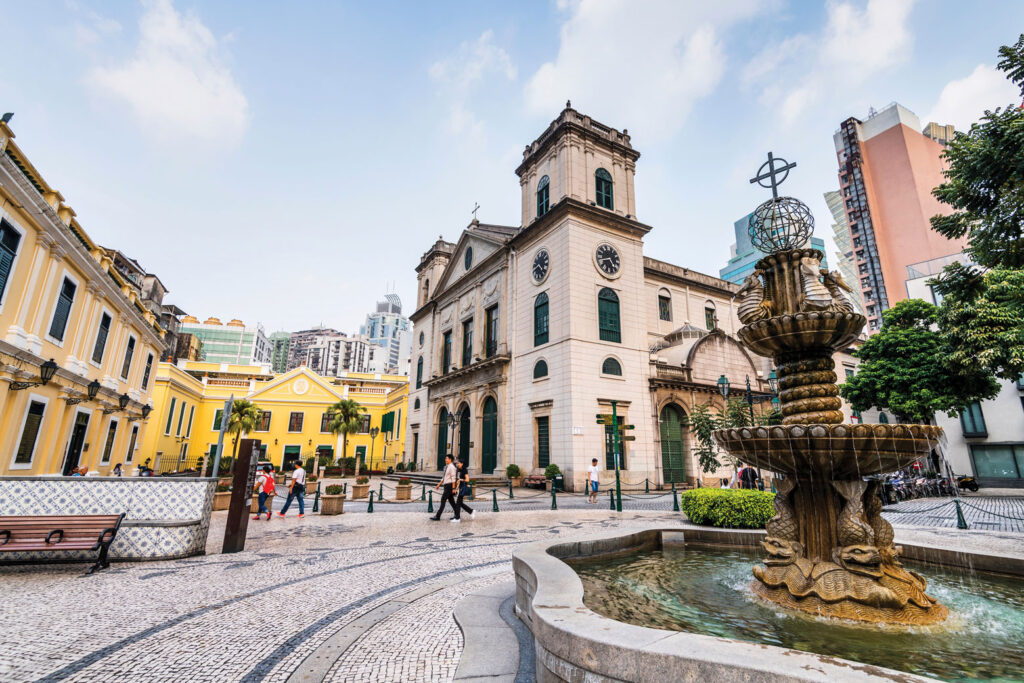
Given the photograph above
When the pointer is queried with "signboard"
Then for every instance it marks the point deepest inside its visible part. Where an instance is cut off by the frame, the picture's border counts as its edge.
(241, 495)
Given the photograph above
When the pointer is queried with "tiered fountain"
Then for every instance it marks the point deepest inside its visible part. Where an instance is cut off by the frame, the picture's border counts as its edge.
(830, 552)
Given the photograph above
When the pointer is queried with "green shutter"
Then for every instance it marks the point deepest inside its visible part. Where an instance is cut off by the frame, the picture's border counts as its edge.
(603, 188)
(29, 433)
(608, 315)
(170, 416)
(543, 442)
(540, 319)
(9, 239)
(63, 310)
(101, 340)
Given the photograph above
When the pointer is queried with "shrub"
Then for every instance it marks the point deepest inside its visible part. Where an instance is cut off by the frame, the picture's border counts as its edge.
(551, 471)
(223, 488)
(362, 480)
(332, 472)
(400, 467)
(411, 467)
(391, 470)
(308, 465)
(334, 490)
(512, 471)
(404, 481)
(729, 508)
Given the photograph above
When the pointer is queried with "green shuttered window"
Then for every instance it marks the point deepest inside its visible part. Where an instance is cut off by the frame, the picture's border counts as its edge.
(603, 187)
(608, 315)
(542, 196)
(543, 442)
(63, 310)
(9, 240)
(29, 433)
(540, 319)
(101, 339)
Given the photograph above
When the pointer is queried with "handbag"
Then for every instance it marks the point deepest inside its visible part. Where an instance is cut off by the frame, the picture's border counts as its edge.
(465, 491)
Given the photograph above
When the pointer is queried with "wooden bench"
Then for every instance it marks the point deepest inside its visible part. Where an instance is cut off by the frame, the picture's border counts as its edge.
(75, 532)
(535, 481)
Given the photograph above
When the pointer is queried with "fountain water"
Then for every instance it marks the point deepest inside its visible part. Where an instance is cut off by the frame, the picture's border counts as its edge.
(830, 552)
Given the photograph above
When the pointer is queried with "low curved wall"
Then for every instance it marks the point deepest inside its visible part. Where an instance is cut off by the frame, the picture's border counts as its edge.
(574, 643)
(166, 518)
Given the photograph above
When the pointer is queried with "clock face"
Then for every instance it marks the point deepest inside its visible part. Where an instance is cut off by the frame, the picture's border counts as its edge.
(541, 263)
(607, 259)
(469, 257)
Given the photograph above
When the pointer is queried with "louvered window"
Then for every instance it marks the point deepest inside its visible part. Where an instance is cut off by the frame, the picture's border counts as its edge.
(608, 315)
(9, 240)
(101, 339)
(63, 310)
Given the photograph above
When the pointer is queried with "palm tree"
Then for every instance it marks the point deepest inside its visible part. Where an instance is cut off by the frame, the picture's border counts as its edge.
(245, 417)
(346, 417)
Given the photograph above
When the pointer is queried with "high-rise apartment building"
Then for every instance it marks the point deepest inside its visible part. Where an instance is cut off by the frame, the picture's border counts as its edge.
(887, 170)
(279, 342)
(744, 255)
(844, 245)
(232, 342)
(941, 134)
(300, 344)
(332, 353)
(388, 328)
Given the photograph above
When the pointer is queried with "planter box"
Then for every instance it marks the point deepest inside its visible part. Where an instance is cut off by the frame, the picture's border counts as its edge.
(403, 492)
(516, 482)
(360, 491)
(222, 500)
(332, 505)
(255, 507)
(279, 479)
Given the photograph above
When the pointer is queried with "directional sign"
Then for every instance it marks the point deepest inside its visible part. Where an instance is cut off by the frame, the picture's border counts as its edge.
(627, 426)
(628, 438)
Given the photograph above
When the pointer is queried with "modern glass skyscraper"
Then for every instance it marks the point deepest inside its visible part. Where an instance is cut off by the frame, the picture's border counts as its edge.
(745, 255)
(388, 328)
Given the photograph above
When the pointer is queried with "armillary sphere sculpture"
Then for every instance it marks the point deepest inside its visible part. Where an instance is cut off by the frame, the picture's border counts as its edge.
(830, 552)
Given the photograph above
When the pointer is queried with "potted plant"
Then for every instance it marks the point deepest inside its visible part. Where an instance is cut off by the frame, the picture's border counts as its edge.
(403, 491)
(554, 474)
(361, 488)
(333, 501)
(222, 498)
(514, 474)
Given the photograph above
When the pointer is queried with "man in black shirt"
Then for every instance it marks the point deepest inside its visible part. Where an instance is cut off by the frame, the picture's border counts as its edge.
(463, 484)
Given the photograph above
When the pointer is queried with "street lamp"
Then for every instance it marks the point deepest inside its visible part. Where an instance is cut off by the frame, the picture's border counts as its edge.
(122, 402)
(373, 436)
(453, 420)
(92, 390)
(146, 409)
(46, 372)
(723, 386)
(773, 382)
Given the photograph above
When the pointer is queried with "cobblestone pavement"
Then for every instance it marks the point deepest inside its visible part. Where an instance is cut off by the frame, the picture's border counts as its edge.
(988, 513)
(363, 597)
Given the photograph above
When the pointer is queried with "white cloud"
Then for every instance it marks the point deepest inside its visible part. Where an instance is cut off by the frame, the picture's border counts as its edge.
(869, 39)
(640, 64)
(177, 83)
(963, 101)
(459, 74)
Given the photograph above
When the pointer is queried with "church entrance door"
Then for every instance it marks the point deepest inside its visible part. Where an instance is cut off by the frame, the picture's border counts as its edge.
(442, 437)
(464, 427)
(489, 451)
(673, 461)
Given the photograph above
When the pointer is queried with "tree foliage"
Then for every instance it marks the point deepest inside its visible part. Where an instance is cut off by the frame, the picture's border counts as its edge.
(245, 417)
(704, 420)
(345, 418)
(985, 180)
(905, 368)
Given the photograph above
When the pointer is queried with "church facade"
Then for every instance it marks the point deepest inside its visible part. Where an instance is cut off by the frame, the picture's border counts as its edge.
(528, 333)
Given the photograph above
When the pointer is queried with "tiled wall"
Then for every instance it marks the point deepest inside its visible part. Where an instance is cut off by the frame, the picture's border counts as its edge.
(164, 518)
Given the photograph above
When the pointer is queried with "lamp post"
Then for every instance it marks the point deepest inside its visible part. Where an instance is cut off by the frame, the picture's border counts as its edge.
(92, 390)
(723, 387)
(453, 421)
(373, 437)
(46, 372)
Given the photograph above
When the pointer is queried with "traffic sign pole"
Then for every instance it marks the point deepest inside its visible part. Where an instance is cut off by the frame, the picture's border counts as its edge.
(615, 446)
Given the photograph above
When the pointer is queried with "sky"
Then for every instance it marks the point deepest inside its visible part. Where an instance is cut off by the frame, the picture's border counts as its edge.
(289, 163)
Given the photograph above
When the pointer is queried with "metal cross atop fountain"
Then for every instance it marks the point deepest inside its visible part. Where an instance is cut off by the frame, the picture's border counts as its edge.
(772, 172)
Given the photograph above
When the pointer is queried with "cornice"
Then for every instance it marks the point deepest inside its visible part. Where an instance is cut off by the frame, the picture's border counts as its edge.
(568, 206)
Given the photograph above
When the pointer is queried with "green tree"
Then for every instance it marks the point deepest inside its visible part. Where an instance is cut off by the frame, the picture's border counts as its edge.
(985, 179)
(905, 368)
(245, 417)
(703, 422)
(346, 416)
(982, 319)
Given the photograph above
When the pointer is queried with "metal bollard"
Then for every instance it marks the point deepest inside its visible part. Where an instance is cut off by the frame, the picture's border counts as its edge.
(554, 503)
(611, 501)
(369, 506)
(961, 522)
(423, 493)
(380, 494)
(647, 485)
(675, 500)
(510, 495)
(316, 501)
(344, 488)
(430, 501)
(494, 498)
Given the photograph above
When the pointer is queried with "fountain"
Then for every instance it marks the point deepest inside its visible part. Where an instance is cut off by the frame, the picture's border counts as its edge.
(830, 552)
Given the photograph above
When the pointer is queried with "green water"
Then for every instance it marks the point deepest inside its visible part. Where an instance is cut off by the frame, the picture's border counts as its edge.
(705, 591)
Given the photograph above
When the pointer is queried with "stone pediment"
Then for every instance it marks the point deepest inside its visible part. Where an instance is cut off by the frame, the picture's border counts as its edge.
(482, 243)
(298, 385)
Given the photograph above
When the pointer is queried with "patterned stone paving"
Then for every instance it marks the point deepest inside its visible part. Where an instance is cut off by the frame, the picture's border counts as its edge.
(258, 615)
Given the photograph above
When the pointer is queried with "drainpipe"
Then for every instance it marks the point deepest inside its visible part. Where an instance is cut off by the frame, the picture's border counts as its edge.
(511, 384)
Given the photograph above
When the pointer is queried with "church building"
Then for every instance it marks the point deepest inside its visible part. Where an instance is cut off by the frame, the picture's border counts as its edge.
(527, 333)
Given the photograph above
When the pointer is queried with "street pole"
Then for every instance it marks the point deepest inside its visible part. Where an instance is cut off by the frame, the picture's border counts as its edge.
(750, 407)
(615, 448)
(225, 418)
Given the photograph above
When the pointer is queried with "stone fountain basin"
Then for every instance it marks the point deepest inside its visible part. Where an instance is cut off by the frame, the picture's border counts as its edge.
(574, 643)
(796, 332)
(836, 451)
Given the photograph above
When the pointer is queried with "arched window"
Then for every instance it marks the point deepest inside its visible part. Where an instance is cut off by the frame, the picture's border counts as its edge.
(542, 196)
(603, 186)
(610, 366)
(608, 315)
(710, 316)
(416, 404)
(664, 304)
(540, 319)
(883, 419)
(419, 372)
(540, 369)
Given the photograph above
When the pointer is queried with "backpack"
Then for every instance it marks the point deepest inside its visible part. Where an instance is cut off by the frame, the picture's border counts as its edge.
(269, 487)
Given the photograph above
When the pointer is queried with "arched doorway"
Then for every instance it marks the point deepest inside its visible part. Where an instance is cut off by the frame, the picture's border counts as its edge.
(673, 444)
(442, 437)
(464, 434)
(489, 448)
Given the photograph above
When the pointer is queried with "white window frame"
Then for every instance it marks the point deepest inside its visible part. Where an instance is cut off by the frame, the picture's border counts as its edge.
(37, 398)
(617, 359)
(169, 424)
(17, 255)
(181, 418)
(130, 453)
(127, 342)
(110, 333)
(65, 274)
(151, 361)
(191, 415)
(112, 421)
(288, 427)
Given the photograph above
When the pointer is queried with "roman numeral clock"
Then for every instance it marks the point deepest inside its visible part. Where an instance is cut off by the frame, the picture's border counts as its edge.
(541, 265)
(607, 260)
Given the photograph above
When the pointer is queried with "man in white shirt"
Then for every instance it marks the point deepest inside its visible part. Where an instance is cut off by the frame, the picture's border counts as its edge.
(448, 481)
(298, 490)
(592, 479)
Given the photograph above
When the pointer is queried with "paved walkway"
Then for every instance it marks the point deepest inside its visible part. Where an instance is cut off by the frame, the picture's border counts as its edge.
(358, 597)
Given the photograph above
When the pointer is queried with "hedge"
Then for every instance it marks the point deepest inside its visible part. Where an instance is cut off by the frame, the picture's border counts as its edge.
(730, 508)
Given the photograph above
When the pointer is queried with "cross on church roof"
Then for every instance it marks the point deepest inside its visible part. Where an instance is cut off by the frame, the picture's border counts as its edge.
(476, 207)
(772, 172)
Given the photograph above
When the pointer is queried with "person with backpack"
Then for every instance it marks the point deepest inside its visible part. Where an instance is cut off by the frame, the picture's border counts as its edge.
(266, 488)
(297, 490)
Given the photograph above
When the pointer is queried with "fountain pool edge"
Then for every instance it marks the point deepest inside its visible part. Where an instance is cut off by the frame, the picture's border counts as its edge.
(573, 642)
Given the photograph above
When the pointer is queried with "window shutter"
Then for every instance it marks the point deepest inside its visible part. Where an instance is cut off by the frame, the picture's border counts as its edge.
(543, 442)
(30, 433)
(101, 339)
(63, 310)
(9, 240)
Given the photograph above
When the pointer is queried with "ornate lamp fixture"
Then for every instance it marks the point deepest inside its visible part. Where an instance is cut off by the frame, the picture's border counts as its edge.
(46, 372)
(92, 390)
(773, 382)
(122, 402)
(723, 386)
(146, 410)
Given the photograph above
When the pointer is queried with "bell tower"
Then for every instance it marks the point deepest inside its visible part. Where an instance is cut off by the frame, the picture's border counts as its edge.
(430, 269)
(580, 158)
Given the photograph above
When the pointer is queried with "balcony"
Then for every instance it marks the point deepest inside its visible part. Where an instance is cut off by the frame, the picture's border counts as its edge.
(499, 357)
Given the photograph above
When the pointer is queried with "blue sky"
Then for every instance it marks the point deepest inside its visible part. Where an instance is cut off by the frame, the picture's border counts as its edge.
(288, 163)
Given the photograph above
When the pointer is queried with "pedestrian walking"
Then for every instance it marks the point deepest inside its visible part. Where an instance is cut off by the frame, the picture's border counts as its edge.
(448, 481)
(297, 490)
(462, 472)
(266, 489)
(748, 477)
(593, 475)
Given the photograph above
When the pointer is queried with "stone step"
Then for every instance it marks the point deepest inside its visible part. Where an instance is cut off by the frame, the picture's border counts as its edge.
(431, 478)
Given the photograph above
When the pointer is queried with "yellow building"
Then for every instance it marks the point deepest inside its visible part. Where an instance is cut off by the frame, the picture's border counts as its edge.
(65, 310)
(189, 398)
